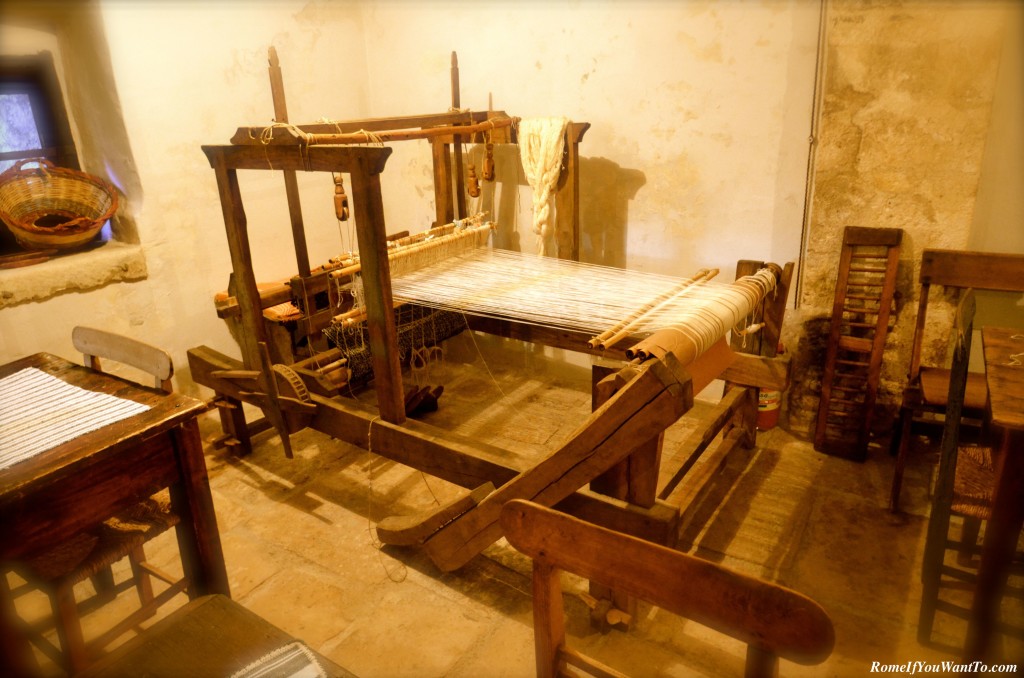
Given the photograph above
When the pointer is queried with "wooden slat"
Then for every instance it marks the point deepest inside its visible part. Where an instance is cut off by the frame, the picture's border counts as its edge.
(290, 183)
(250, 135)
(368, 159)
(979, 270)
(463, 461)
(646, 406)
(775, 619)
(102, 344)
(883, 259)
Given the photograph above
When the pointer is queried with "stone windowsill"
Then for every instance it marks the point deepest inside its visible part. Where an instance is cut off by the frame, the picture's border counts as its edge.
(110, 263)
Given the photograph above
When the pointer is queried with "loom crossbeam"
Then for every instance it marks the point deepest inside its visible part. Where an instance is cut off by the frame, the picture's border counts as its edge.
(442, 124)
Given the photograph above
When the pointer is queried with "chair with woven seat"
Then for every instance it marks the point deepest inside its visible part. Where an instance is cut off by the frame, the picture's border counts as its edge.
(91, 553)
(963, 487)
(927, 389)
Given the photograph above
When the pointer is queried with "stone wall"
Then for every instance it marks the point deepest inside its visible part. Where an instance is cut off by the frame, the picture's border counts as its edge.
(906, 94)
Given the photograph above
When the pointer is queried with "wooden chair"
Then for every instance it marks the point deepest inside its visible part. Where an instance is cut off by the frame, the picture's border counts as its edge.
(963, 486)
(928, 386)
(774, 622)
(90, 554)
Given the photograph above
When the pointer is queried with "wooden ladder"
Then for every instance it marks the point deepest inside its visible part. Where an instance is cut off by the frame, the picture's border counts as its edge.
(860, 322)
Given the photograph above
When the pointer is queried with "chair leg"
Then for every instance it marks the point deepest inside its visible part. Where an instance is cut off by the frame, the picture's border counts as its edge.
(901, 444)
(69, 629)
(935, 551)
(926, 615)
(968, 540)
(143, 583)
(103, 582)
(15, 646)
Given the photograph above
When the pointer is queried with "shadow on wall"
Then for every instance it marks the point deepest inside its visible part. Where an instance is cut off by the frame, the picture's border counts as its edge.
(606, 190)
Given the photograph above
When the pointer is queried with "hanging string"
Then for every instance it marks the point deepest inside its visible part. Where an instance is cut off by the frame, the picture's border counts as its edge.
(399, 573)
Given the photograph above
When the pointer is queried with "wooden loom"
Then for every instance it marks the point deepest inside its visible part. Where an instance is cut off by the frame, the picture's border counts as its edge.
(635, 400)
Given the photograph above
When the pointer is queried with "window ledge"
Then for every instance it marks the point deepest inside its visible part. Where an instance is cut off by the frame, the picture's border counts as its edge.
(110, 263)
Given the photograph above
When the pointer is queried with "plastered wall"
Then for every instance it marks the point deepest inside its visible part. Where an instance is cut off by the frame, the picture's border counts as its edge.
(905, 122)
(696, 157)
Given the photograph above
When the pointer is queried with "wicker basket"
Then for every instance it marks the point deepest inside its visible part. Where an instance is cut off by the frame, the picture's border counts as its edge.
(54, 207)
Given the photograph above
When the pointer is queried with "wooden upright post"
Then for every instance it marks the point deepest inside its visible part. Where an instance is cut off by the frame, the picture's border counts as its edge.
(567, 204)
(376, 274)
(290, 183)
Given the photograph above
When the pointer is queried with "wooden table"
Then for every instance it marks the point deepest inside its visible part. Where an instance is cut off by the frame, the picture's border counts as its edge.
(1004, 367)
(210, 637)
(47, 498)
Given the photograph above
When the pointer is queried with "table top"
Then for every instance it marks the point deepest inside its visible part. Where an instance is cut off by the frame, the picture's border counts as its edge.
(1004, 371)
(165, 412)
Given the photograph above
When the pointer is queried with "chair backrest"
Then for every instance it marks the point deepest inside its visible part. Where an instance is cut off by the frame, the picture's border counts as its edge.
(96, 344)
(962, 269)
(942, 497)
(773, 621)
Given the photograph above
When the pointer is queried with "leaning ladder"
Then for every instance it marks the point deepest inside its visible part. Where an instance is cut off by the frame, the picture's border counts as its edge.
(860, 322)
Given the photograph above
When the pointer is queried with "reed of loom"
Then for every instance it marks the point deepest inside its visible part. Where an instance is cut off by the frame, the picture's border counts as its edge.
(439, 238)
(617, 333)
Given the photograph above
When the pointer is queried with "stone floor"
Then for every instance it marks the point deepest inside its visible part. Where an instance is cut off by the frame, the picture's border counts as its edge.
(301, 550)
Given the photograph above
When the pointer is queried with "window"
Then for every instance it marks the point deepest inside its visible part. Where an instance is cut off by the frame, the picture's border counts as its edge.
(33, 119)
(36, 118)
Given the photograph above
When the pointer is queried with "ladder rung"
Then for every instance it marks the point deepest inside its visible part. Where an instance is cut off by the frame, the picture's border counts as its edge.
(855, 324)
(865, 269)
(841, 414)
(857, 344)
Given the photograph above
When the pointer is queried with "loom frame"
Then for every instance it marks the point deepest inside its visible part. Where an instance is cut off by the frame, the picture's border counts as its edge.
(634, 505)
(418, 445)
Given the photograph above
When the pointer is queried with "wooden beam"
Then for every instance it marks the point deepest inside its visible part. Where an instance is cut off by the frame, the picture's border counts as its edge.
(647, 405)
(376, 275)
(253, 331)
(293, 136)
(250, 135)
(567, 207)
(290, 184)
(459, 460)
(771, 617)
(369, 159)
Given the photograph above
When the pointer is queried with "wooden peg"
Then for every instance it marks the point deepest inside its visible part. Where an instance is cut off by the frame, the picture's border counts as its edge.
(472, 183)
(488, 169)
(340, 199)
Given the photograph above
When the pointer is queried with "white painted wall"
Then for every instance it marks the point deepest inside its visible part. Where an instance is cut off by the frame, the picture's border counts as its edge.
(696, 157)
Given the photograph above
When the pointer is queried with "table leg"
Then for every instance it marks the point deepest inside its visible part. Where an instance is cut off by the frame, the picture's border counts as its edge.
(198, 539)
(15, 650)
(1000, 543)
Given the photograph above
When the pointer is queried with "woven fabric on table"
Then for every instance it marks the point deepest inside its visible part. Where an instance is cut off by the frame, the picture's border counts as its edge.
(39, 411)
(294, 660)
